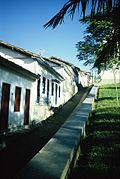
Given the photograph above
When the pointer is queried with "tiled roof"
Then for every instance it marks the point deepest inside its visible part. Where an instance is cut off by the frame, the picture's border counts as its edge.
(60, 61)
(52, 61)
(18, 49)
(36, 57)
(42, 60)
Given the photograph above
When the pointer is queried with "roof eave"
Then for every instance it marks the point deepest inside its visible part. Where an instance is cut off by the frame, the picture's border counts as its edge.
(17, 68)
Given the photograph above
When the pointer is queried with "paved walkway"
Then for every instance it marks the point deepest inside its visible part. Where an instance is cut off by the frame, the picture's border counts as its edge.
(23, 145)
(55, 159)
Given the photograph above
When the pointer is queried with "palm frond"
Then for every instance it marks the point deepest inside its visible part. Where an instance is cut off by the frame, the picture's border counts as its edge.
(97, 6)
(74, 6)
(59, 17)
(69, 7)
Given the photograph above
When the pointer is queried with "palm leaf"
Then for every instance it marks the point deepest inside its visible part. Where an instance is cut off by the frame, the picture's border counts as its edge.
(70, 6)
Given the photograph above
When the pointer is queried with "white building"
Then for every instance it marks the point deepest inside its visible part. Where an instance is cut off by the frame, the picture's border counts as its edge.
(30, 85)
(84, 78)
(16, 89)
(31, 80)
(68, 71)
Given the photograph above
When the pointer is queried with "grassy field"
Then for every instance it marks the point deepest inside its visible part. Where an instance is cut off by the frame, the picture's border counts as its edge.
(100, 149)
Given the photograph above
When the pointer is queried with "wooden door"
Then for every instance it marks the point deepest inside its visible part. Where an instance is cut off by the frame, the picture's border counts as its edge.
(4, 111)
(27, 107)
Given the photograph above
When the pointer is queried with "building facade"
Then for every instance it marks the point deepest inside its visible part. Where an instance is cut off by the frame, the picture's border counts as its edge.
(16, 94)
(28, 80)
(31, 86)
(68, 71)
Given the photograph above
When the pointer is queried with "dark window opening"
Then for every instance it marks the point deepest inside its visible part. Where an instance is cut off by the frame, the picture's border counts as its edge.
(17, 99)
(56, 89)
(27, 107)
(52, 93)
(44, 80)
(59, 92)
(38, 90)
(48, 87)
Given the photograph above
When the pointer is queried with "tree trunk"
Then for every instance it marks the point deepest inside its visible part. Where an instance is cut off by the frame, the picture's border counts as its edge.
(115, 83)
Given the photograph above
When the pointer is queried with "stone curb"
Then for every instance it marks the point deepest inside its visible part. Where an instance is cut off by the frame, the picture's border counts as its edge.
(56, 158)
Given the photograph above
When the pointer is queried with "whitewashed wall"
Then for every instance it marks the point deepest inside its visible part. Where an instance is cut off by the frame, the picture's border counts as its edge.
(68, 86)
(84, 79)
(41, 110)
(19, 58)
(15, 79)
(38, 110)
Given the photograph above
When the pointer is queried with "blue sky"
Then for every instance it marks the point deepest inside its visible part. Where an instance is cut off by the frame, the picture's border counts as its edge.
(21, 24)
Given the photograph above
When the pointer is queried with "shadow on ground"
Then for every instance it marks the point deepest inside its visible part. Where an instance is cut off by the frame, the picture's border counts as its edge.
(23, 145)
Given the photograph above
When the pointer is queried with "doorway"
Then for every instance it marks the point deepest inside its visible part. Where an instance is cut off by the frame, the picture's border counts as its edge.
(4, 110)
(27, 107)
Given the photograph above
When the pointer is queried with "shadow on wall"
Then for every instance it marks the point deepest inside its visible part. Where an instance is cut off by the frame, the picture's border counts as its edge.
(80, 86)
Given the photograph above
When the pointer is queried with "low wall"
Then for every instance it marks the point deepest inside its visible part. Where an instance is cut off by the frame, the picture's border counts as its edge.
(56, 158)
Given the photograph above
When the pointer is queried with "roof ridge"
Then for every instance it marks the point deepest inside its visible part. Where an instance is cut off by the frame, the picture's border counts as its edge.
(63, 61)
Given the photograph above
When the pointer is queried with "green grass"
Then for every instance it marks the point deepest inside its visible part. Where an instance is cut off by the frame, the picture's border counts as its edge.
(101, 146)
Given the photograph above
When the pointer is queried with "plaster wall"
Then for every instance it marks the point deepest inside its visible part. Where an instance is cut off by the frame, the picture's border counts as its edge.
(14, 79)
(19, 58)
(83, 79)
(69, 87)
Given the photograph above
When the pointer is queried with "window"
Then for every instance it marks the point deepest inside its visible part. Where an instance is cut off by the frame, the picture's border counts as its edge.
(56, 90)
(38, 90)
(59, 91)
(44, 80)
(17, 99)
(52, 93)
(48, 86)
